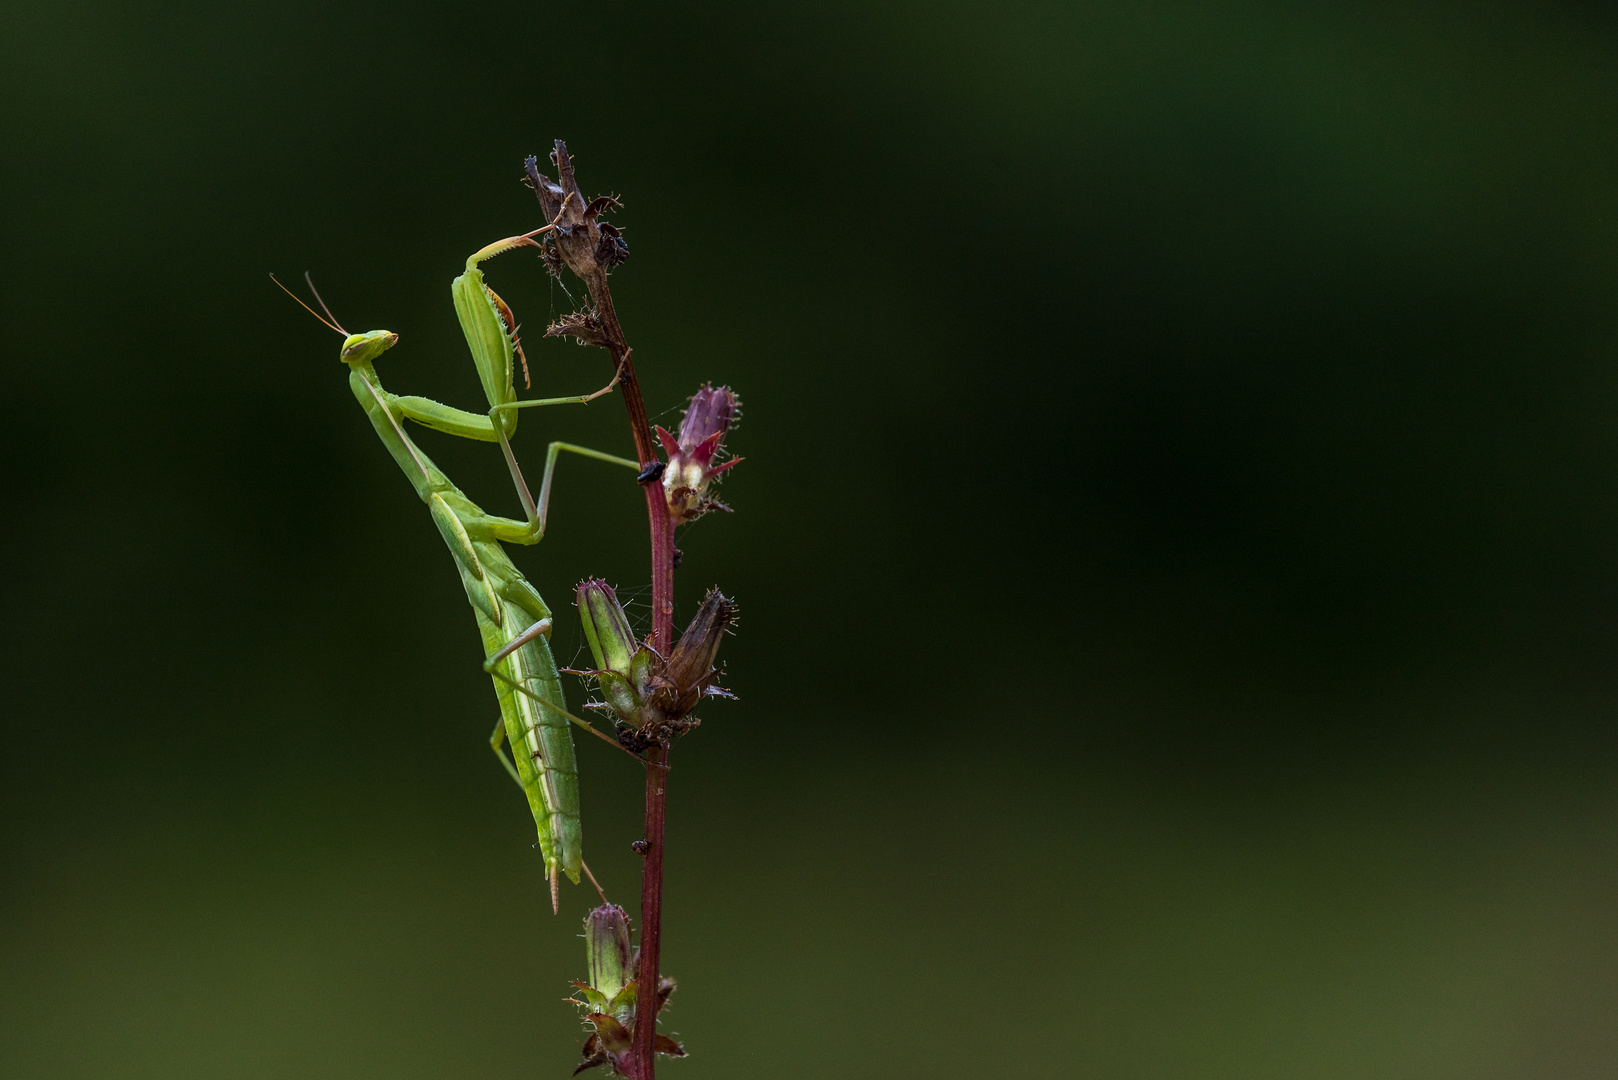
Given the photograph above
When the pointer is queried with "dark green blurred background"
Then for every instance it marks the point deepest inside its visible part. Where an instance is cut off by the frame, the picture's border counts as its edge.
(1176, 546)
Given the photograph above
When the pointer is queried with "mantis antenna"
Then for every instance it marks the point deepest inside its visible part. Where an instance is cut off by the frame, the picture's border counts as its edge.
(311, 283)
(329, 321)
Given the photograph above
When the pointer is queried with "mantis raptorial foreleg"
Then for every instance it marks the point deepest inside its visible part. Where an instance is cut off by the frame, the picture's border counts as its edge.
(490, 331)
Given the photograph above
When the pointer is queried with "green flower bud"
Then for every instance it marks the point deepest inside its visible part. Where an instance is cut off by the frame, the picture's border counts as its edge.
(606, 948)
(609, 1000)
(606, 627)
(624, 666)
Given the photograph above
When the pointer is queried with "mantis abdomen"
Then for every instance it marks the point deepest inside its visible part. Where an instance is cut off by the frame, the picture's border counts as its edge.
(541, 744)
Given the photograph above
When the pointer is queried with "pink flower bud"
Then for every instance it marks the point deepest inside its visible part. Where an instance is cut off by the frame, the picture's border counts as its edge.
(691, 469)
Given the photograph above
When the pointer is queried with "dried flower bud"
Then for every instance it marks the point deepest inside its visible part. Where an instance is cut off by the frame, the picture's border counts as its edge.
(690, 672)
(691, 469)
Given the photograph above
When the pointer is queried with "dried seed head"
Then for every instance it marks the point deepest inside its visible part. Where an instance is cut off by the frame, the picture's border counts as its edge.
(583, 326)
(613, 249)
(580, 240)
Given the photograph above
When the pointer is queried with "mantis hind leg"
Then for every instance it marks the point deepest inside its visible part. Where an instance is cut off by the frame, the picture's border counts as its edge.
(498, 739)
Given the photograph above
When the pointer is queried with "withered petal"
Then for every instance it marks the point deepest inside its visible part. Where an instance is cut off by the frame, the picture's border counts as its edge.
(614, 1036)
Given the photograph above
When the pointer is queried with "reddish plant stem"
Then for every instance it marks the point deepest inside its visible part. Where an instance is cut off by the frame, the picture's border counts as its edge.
(657, 507)
(579, 243)
(643, 1052)
(587, 247)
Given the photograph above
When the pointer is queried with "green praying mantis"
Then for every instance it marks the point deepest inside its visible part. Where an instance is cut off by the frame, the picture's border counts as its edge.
(513, 620)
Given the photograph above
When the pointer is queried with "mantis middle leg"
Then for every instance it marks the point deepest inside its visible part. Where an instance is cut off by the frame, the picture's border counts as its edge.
(453, 421)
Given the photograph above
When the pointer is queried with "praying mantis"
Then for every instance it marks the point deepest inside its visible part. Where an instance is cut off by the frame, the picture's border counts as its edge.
(513, 620)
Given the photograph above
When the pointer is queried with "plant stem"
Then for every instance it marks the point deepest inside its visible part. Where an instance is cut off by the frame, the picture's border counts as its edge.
(643, 1053)
(657, 508)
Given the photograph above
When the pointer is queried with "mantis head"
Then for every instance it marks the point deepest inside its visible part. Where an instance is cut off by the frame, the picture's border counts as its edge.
(361, 348)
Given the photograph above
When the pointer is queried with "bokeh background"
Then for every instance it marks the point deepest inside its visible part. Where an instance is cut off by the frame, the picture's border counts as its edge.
(1176, 547)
